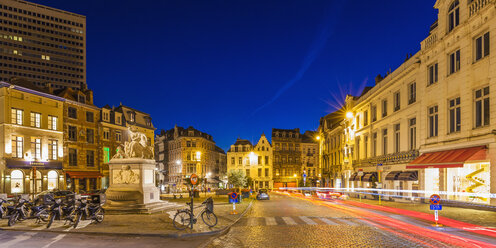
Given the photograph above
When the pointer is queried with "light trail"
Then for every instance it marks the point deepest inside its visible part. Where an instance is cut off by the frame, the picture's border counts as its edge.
(396, 225)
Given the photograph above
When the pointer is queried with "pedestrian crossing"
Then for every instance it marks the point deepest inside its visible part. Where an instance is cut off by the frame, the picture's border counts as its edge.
(299, 220)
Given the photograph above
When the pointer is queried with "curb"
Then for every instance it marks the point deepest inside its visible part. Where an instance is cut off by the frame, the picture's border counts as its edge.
(169, 235)
(227, 228)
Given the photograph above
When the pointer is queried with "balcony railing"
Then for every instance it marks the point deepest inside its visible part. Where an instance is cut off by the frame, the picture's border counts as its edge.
(395, 158)
(477, 5)
(429, 41)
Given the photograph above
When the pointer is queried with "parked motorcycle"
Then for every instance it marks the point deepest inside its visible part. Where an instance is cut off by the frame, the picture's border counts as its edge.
(87, 211)
(59, 211)
(4, 209)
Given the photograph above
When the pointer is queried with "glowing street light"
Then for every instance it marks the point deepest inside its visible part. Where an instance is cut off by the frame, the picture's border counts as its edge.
(349, 115)
(317, 138)
(178, 162)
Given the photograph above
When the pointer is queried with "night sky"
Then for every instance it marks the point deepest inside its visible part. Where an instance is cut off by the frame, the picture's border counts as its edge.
(238, 68)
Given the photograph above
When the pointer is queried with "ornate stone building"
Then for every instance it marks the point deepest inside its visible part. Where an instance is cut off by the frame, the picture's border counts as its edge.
(255, 161)
(31, 130)
(81, 140)
(428, 125)
(310, 158)
(288, 170)
(184, 151)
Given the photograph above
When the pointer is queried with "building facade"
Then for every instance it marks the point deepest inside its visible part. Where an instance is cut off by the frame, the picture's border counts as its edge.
(428, 125)
(312, 171)
(288, 170)
(81, 140)
(32, 140)
(254, 160)
(44, 45)
(186, 151)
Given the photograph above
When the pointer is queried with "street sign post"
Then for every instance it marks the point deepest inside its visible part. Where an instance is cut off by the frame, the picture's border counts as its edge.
(233, 197)
(435, 199)
(194, 179)
(304, 179)
(379, 184)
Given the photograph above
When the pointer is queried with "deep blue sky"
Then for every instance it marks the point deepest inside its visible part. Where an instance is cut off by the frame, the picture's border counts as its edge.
(239, 68)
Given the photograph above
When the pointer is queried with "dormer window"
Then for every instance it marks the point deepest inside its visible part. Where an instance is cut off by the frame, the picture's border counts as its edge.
(132, 116)
(81, 99)
(453, 15)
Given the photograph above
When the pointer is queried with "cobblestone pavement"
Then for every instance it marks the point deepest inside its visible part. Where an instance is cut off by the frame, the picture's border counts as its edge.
(291, 222)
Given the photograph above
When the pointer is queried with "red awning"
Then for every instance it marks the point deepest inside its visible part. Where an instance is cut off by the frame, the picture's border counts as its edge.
(84, 174)
(449, 158)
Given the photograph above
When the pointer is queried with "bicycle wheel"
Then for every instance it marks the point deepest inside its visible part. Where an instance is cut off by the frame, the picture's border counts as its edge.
(182, 220)
(209, 218)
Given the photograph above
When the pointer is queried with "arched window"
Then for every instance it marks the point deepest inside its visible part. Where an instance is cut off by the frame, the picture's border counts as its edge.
(453, 15)
(52, 180)
(16, 181)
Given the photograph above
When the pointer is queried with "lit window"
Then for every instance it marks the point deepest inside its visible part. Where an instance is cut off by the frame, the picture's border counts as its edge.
(35, 120)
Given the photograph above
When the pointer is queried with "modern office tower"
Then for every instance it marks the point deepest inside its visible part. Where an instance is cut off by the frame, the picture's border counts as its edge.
(41, 44)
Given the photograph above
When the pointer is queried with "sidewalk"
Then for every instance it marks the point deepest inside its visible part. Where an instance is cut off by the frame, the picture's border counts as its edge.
(472, 216)
(159, 224)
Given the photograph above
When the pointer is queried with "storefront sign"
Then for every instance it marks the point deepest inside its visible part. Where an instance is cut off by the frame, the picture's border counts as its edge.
(24, 164)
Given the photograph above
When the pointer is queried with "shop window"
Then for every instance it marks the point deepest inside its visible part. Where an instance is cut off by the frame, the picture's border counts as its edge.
(52, 180)
(16, 181)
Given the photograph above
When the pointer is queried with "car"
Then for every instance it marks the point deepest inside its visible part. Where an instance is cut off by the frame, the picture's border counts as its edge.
(328, 194)
(263, 195)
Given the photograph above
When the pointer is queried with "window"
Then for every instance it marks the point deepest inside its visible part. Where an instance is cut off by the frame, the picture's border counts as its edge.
(412, 133)
(36, 148)
(240, 160)
(17, 146)
(188, 143)
(52, 122)
(267, 172)
(453, 16)
(247, 172)
(259, 172)
(482, 107)
(365, 146)
(384, 141)
(118, 136)
(16, 181)
(266, 160)
(90, 136)
(89, 116)
(52, 149)
(118, 120)
(454, 62)
(132, 117)
(105, 116)
(17, 116)
(233, 161)
(72, 157)
(35, 119)
(482, 46)
(81, 99)
(357, 142)
(433, 121)
(365, 118)
(259, 159)
(90, 158)
(454, 115)
(412, 93)
(358, 121)
(384, 108)
(373, 112)
(72, 133)
(53, 178)
(374, 144)
(397, 140)
(72, 112)
(106, 134)
(432, 71)
(397, 101)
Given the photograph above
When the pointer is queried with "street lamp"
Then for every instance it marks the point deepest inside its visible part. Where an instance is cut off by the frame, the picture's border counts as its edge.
(349, 115)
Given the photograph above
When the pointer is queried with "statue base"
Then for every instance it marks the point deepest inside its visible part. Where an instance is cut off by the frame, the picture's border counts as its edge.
(132, 188)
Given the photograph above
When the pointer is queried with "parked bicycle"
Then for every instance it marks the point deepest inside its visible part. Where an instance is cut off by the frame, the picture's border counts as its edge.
(184, 217)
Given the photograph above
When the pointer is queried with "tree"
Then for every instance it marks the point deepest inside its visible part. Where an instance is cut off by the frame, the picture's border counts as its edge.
(236, 178)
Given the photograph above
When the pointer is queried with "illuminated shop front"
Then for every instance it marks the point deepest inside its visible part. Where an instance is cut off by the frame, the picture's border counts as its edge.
(459, 174)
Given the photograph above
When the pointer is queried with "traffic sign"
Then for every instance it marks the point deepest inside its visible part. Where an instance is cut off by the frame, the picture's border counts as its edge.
(233, 195)
(360, 173)
(194, 179)
(436, 207)
(435, 199)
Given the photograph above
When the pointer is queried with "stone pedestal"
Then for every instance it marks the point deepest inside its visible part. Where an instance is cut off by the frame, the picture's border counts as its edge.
(132, 187)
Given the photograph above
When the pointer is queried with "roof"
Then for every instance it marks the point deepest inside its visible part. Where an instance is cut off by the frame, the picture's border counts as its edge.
(242, 142)
(309, 137)
(178, 131)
